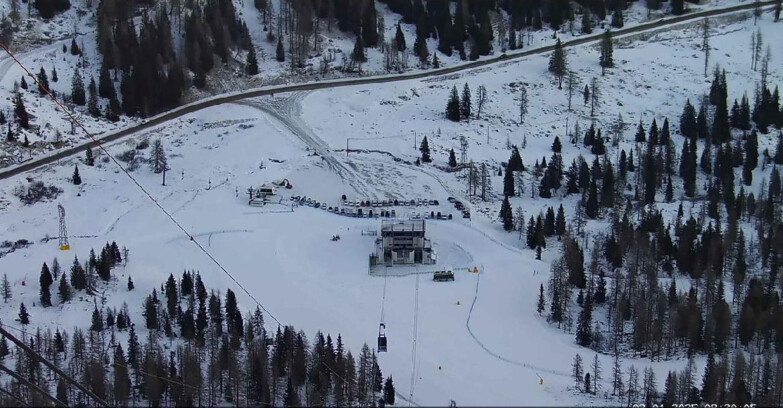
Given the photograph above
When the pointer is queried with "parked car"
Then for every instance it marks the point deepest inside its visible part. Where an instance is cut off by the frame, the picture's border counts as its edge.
(396, 202)
(436, 202)
(451, 199)
(342, 211)
(432, 202)
(393, 213)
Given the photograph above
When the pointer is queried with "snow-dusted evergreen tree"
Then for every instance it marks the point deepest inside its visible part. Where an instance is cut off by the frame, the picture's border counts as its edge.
(157, 159)
(76, 179)
(43, 82)
(5, 289)
(523, 104)
(558, 64)
(465, 103)
(453, 105)
(424, 148)
(22, 118)
(78, 95)
(606, 60)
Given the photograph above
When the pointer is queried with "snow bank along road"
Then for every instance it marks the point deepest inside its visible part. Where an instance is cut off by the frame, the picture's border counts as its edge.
(233, 97)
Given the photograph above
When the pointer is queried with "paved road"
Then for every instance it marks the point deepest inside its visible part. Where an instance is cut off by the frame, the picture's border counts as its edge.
(234, 97)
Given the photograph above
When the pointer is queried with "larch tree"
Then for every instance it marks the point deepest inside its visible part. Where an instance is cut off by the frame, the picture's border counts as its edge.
(523, 104)
(481, 99)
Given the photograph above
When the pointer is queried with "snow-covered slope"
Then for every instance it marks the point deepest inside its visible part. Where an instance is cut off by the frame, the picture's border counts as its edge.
(478, 340)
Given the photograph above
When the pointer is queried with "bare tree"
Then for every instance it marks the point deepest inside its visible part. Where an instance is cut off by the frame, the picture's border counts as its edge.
(481, 98)
(758, 45)
(572, 83)
(486, 186)
(523, 104)
(756, 11)
(595, 94)
(519, 220)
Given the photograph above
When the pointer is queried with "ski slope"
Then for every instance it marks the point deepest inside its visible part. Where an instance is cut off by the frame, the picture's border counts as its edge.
(477, 340)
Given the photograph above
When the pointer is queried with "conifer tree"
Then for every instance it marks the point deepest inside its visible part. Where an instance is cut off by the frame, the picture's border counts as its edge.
(424, 148)
(130, 284)
(21, 112)
(435, 62)
(5, 288)
(452, 158)
(584, 325)
(464, 105)
(76, 179)
(251, 64)
(77, 89)
(453, 111)
(23, 83)
(92, 102)
(97, 320)
(587, 23)
(64, 289)
(617, 17)
(89, 160)
(688, 121)
(606, 60)
(508, 183)
(280, 52)
(558, 64)
(541, 300)
(506, 215)
(45, 281)
(75, 47)
(43, 82)
(55, 78)
(24, 316)
(105, 84)
(358, 51)
(158, 160)
(388, 391)
(400, 39)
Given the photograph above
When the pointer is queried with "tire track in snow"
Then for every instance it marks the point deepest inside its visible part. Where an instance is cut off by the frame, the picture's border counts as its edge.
(498, 356)
(289, 114)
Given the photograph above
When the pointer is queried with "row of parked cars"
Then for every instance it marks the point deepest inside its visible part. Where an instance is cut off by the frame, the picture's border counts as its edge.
(367, 212)
(387, 203)
(459, 206)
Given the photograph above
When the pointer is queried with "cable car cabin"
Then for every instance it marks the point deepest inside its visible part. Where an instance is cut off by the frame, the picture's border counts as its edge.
(382, 338)
(443, 276)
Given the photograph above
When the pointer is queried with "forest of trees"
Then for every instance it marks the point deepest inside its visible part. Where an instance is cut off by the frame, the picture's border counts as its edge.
(724, 246)
(199, 349)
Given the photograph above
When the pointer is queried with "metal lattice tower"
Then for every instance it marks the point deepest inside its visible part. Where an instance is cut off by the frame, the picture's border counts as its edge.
(64, 246)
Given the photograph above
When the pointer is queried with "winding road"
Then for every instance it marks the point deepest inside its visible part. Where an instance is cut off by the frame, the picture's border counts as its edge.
(253, 93)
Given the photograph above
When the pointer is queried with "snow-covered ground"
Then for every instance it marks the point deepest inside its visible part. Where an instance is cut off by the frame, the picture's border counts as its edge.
(479, 339)
(38, 44)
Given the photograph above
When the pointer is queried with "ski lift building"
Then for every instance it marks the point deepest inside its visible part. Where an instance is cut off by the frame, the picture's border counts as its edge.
(402, 242)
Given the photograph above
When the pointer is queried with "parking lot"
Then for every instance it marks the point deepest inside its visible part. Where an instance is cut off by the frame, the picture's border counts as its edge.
(415, 208)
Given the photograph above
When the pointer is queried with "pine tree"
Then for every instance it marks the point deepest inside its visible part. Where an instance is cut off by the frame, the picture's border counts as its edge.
(77, 89)
(92, 103)
(23, 83)
(464, 105)
(584, 325)
(452, 158)
(400, 39)
(21, 112)
(46, 282)
(617, 17)
(606, 60)
(388, 391)
(508, 183)
(64, 290)
(558, 64)
(76, 179)
(688, 127)
(130, 284)
(453, 111)
(280, 52)
(435, 62)
(506, 215)
(105, 84)
(5, 289)
(24, 317)
(43, 82)
(158, 160)
(358, 51)
(424, 148)
(97, 320)
(251, 64)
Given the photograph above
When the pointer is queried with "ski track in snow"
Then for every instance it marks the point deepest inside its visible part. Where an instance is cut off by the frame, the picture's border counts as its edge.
(498, 356)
